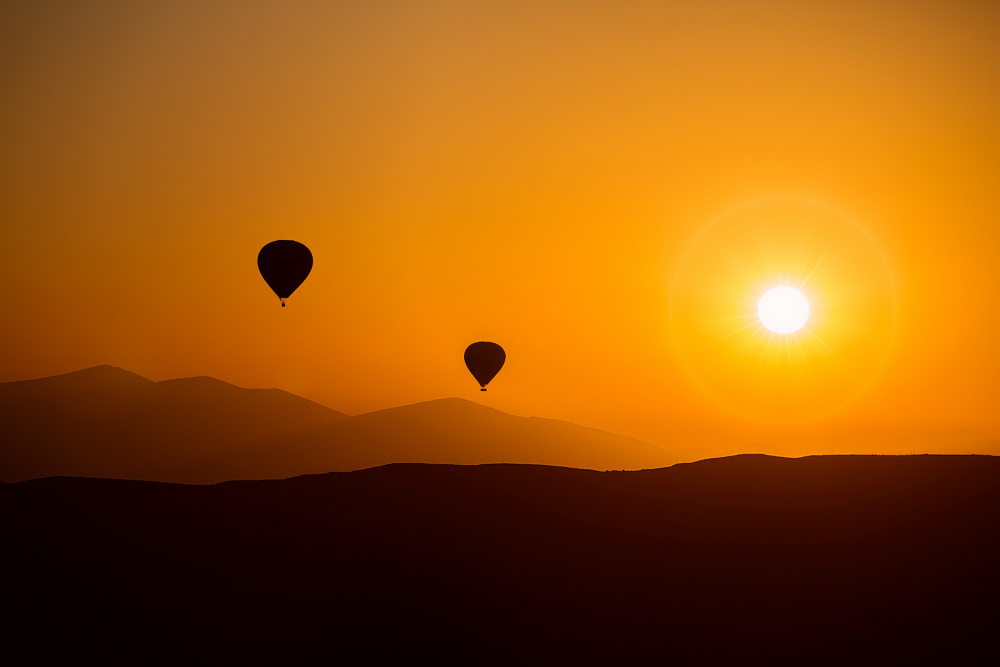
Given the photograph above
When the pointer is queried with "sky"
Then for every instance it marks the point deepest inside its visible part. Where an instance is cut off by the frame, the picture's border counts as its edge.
(579, 182)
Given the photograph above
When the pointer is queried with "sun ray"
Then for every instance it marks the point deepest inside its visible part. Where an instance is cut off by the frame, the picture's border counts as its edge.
(734, 331)
(740, 292)
(802, 352)
(730, 318)
(767, 347)
(748, 303)
(816, 266)
(847, 302)
(819, 340)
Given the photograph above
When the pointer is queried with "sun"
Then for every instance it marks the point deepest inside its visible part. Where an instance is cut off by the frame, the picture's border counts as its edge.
(783, 310)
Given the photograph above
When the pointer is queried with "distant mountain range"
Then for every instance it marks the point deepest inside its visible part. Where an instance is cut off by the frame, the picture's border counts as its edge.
(108, 422)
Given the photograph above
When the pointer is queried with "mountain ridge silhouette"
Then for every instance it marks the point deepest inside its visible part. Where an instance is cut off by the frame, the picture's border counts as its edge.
(108, 422)
(105, 421)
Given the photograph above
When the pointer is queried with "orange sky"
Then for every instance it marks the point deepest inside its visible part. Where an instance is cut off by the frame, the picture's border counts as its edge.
(538, 174)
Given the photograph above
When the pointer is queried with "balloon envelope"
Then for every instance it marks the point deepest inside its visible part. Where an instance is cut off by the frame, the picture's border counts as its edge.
(284, 265)
(484, 361)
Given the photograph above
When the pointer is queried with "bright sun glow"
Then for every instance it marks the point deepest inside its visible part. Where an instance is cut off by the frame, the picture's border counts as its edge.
(783, 310)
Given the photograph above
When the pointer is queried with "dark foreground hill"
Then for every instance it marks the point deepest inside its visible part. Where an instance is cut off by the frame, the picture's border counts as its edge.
(749, 559)
(107, 422)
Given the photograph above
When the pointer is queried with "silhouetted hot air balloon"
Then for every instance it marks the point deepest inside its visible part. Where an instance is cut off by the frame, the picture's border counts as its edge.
(484, 361)
(284, 265)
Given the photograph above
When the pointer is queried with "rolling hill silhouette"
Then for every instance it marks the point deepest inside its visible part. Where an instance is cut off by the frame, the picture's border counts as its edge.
(107, 422)
(956, 441)
(893, 440)
(743, 560)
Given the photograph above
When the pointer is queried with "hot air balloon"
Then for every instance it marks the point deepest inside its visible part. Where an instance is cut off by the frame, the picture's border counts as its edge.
(484, 361)
(284, 265)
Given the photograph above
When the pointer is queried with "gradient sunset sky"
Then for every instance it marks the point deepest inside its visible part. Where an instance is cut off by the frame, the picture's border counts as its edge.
(577, 181)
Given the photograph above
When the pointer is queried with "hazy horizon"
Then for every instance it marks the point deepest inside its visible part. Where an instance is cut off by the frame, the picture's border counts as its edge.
(107, 421)
(581, 185)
